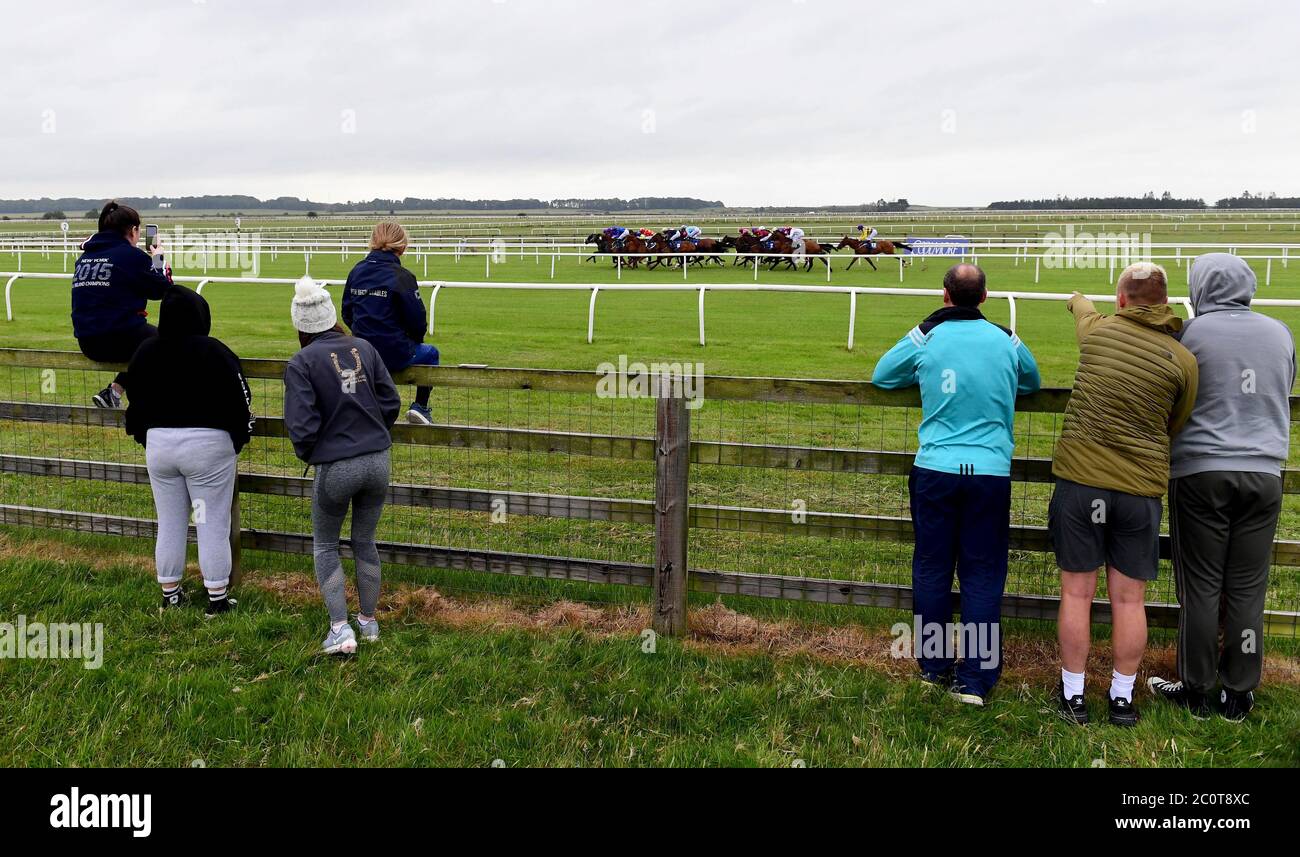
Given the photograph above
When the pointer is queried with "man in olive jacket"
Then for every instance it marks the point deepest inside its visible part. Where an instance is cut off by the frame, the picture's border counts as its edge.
(1135, 389)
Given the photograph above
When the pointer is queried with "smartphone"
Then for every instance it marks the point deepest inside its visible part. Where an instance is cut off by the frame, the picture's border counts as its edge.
(150, 237)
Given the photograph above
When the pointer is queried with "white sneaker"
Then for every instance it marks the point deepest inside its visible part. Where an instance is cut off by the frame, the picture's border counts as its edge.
(342, 642)
(369, 630)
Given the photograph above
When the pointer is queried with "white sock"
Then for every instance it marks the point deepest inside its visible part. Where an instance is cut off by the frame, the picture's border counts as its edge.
(1073, 683)
(1122, 686)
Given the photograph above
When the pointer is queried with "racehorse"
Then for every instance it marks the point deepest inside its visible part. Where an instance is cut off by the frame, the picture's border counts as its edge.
(602, 245)
(782, 245)
(712, 245)
(862, 250)
(662, 244)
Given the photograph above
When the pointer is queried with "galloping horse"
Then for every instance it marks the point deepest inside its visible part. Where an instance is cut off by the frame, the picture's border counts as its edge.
(862, 250)
(784, 246)
(602, 243)
(661, 244)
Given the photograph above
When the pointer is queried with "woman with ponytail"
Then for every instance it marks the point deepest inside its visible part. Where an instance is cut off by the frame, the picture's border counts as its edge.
(112, 285)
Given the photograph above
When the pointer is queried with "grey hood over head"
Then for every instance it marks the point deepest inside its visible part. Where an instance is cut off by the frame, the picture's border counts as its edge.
(1221, 281)
(1242, 420)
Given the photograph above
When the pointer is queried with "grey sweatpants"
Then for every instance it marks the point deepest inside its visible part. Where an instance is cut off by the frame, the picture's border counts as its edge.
(1223, 525)
(192, 471)
(362, 483)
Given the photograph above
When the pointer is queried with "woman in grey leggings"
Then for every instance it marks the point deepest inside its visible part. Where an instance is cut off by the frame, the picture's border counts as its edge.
(339, 406)
(190, 409)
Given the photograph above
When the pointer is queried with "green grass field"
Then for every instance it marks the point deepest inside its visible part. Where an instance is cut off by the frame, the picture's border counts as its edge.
(443, 688)
(588, 697)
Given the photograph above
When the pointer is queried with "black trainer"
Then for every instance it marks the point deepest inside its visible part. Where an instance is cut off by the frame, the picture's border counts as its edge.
(1074, 709)
(943, 680)
(1123, 713)
(1177, 693)
(1236, 707)
(107, 399)
(220, 606)
(176, 600)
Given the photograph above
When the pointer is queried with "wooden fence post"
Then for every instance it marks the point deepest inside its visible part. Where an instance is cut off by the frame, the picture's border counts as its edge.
(236, 543)
(672, 505)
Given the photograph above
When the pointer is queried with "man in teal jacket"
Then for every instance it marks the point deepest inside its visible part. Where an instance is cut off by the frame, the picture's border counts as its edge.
(970, 372)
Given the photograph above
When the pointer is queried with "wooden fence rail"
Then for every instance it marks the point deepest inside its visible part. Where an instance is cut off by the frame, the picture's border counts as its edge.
(673, 452)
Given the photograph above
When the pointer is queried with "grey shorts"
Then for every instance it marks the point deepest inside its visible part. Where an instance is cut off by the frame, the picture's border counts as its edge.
(1094, 527)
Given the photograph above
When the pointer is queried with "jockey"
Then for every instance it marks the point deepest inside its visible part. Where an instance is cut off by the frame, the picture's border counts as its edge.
(623, 235)
(868, 237)
(762, 233)
(613, 232)
(692, 233)
(744, 230)
(646, 234)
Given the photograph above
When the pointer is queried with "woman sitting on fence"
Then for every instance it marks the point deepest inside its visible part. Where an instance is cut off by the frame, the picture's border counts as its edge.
(340, 404)
(382, 305)
(114, 281)
(192, 411)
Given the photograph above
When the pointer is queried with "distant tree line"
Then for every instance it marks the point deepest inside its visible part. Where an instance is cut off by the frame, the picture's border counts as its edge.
(293, 203)
(1066, 203)
(879, 206)
(1259, 200)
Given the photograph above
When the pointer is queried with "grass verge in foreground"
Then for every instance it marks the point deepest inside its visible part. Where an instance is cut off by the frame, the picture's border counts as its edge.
(560, 686)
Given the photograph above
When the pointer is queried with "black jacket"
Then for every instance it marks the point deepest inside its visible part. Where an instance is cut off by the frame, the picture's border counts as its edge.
(112, 285)
(339, 400)
(184, 378)
(382, 305)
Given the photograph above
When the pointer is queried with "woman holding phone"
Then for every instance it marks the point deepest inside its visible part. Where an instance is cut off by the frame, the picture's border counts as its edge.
(111, 288)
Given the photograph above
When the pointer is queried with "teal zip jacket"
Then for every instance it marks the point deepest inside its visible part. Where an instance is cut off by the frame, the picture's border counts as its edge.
(970, 372)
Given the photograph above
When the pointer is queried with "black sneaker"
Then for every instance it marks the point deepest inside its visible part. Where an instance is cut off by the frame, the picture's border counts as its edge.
(1074, 709)
(107, 399)
(1177, 693)
(942, 680)
(176, 600)
(1123, 713)
(1236, 707)
(220, 607)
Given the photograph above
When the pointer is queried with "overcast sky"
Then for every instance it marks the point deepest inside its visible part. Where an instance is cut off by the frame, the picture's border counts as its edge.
(763, 102)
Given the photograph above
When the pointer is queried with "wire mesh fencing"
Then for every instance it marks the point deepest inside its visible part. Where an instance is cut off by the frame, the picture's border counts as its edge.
(542, 484)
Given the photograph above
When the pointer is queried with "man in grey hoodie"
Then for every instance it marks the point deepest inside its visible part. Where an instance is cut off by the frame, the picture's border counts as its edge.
(1226, 491)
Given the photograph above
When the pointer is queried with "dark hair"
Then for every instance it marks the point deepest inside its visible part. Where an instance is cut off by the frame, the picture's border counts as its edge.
(966, 285)
(118, 218)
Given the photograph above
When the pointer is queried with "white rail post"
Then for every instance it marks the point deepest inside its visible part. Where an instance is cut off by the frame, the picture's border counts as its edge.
(591, 316)
(853, 317)
(900, 269)
(433, 305)
(199, 289)
(1011, 303)
(683, 266)
(487, 260)
(552, 266)
(702, 291)
(9, 306)
(756, 269)
(618, 263)
(1268, 280)
(1038, 270)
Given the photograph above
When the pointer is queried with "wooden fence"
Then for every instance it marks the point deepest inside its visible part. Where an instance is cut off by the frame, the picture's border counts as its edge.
(673, 452)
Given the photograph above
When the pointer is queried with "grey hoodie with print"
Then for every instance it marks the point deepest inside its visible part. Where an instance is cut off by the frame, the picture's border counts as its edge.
(1242, 421)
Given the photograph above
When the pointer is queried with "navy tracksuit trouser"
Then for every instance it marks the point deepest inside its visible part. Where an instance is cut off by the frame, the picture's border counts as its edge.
(962, 524)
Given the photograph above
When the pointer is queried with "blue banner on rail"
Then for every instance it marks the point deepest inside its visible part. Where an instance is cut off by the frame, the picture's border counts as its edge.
(950, 245)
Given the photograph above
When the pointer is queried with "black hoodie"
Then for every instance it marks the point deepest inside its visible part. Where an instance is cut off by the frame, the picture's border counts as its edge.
(184, 378)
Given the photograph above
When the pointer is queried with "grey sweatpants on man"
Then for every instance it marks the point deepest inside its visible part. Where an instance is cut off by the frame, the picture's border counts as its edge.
(192, 471)
(1223, 525)
(361, 483)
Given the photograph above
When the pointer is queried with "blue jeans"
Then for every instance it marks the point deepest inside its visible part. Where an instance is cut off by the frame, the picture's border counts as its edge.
(962, 524)
(425, 355)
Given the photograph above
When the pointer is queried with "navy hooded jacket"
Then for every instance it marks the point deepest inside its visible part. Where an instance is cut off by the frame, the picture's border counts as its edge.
(112, 285)
(382, 306)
